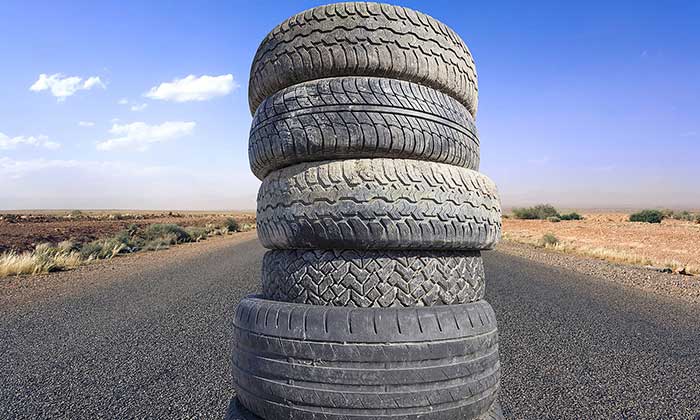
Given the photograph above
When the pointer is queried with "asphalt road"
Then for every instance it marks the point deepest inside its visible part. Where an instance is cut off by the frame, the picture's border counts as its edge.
(151, 341)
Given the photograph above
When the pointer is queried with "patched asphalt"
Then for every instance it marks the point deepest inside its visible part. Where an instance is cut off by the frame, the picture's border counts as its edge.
(151, 340)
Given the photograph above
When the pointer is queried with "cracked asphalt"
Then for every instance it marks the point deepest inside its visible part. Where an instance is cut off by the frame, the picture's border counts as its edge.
(147, 336)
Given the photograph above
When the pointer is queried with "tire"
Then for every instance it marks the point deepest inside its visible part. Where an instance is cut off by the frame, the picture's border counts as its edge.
(236, 411)
(295, 361)
(363, 39)
(378, 204)
(360, 117)
(373, 279)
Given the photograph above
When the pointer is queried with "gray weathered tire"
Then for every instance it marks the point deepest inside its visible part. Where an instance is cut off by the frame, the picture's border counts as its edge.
(296, 361)
(360, 117)
(375, 279)
(363, 39)
(378, 204)
(236, 411)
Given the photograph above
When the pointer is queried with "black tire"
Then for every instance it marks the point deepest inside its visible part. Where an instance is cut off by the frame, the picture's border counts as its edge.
(295, 361)
(376, 279)
(378, 204)
(363, 39)
(236, 411)
(360, 117)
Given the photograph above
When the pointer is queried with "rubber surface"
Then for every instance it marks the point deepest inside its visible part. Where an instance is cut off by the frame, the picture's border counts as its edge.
(359, 117)
(373, 278)
(378, 204)
(295, 361)
(363, 39)
(236, 411)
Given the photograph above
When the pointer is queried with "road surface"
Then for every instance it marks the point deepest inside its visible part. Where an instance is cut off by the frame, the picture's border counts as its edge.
(149, 339)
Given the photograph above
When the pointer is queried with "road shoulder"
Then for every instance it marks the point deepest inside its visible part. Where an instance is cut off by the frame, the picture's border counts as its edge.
(686, 288)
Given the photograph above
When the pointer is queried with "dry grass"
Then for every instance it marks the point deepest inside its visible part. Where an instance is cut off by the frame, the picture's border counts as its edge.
(46, 257)
(37, 262)
(672, 244)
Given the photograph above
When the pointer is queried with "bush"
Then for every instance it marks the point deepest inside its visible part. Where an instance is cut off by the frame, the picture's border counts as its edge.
(75, 214)
(161, 242)
(667, 214)
(232, 225)
(554, 219)
(697, 218)
(102, 248)
(648, 216)
(571, 216)
(685, 215)
(161, 230)
(548, 239)
(122, 242)
(68, 246)
(541, 212)
(197, 233)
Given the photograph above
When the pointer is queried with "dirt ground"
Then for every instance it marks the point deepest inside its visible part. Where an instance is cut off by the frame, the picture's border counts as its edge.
(672, 243)
(22, 231)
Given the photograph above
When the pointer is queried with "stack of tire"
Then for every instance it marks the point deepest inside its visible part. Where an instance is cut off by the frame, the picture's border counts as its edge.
(375, 215)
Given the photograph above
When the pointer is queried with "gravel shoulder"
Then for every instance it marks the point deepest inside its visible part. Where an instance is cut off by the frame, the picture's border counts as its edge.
(686, 288)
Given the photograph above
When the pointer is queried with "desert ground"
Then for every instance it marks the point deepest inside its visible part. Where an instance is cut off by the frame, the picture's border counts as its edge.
(24, 230)
(672, 244)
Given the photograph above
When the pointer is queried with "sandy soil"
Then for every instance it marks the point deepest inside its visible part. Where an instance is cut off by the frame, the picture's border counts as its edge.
(23, 231)
(671, 243)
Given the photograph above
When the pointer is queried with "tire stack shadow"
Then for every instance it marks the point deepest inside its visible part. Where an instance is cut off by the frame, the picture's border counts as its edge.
(374, 214)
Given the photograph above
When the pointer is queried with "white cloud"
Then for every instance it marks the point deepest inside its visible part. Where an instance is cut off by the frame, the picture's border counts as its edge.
(123, 101)
(139, 136)
(11, 143)
(93, 81)
(86, 124)
(193, 88)
(64, 86)
(138, 108)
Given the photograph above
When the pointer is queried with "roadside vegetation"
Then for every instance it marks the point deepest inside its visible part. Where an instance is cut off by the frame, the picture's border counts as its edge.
(663, 240)
(657, 216)
(544, 212)
(65, 255)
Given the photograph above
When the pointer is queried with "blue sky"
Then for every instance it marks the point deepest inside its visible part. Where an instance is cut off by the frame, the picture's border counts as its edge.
(582, 104)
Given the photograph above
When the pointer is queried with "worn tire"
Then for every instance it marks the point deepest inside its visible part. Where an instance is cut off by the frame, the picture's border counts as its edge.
(360, 117)
(378, 204)
(363, 39)
(296, 361)
(236, 411)
(373, 279)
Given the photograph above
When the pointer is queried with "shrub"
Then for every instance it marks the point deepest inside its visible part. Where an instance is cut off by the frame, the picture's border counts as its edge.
(161, 242)
(548, 239)
(196, 234)
(102, 249)
(697, 218)
(648, 216)
(161, 230)
(232, 225)
(554, 219)
(667, 214)
(540, 211)
(75, 214)
(67, 246)
(685, 215)
(122, 242)
(571, 216)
